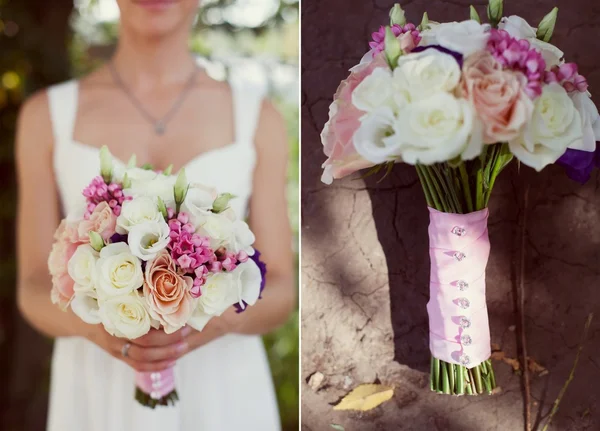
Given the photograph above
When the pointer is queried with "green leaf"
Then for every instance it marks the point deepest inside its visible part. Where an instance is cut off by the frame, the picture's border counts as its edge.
(221, 203)
(424, 22)
(132, 162)
(474, 15)
(392, 48)
(397, 15)
(96, 240)
(546, 27)
(147, 167)
(162, 207)
(495, 11)
(106, 164)
(126, 183)
(372, 171)
(181, 188)
(337, 427)
(168, 170)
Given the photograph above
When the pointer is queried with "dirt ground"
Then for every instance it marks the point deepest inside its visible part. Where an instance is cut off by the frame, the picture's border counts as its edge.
(365, 265)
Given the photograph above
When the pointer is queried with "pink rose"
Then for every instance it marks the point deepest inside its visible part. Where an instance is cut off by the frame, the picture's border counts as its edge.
(66, 242)
(102, 220)
(344, 119)
(498, 97)
(168, 293)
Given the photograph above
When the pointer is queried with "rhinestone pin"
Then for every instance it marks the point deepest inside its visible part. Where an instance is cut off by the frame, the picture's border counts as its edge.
(459, 255)
(155, 377)
(464, 322)
(466, 340)
(459, 231)
(462, 285)
(155, 395)
(464, 360)
(463, 303)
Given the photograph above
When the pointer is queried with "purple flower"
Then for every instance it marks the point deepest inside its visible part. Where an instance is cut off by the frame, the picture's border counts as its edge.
(457, 55)
(580, 164)
(263, 272)
(378, 43)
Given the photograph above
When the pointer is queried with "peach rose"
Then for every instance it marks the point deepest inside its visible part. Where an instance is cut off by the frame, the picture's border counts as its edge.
(497, 96)
(102, 221)
(66, 242)
(344, 120)
(168, 293)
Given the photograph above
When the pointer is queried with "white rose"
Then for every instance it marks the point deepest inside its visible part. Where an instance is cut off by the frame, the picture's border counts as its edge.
(118, 272)
(438, 129)
(86, 307)
(590, 121)
(374, 91)
(147, 239)
(374, 139)
(243, 238)
(125, 316)
(82, 268)
(198, 201)
(218, 227)
(555, 125)
(518, 28)
(219, 292)
(249, 281)
(466, 37)
(139, 210)
(423, 74)
(150, 184)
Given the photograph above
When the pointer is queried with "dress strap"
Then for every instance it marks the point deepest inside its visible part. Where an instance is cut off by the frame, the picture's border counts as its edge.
(62, 99)
(248, 95)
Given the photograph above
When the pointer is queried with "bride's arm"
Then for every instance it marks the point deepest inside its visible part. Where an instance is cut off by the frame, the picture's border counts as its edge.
(270, 223)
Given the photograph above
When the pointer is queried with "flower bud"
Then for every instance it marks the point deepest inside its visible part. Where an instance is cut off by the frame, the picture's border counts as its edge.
(495, 10)
(96, 240)
(424, 22)
(392, 48)
(106, 164)
(546, 26)
(132, 162)
(148, 167)
(126, 183)
(221, 203)
(162, 207)
(397, 15)
(474, 14)
(169, 169)
(180, 189)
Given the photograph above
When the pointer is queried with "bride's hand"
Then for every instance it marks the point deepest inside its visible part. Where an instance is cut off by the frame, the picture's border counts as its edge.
(155, 351)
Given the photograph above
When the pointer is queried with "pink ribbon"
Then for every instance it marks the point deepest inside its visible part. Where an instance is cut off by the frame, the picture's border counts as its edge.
(156, 384)
(459, 248)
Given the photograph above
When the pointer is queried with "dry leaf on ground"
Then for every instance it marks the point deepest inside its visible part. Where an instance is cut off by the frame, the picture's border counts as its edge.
(532, 364)
(365, 397)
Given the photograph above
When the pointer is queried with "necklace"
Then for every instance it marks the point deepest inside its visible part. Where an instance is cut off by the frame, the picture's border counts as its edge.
(159, 124)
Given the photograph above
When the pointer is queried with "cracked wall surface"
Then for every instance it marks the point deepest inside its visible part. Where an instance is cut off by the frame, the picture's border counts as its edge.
(365, 264)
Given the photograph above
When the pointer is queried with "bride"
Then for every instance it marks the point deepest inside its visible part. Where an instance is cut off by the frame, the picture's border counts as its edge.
(152, 100)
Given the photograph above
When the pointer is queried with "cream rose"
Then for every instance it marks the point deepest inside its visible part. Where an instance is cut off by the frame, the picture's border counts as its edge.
(218, 227)
(497, 96)
(125, 316)
(590, 121)
(150, 184)
(420, 75)
(374, 91)
(118, 272)
(82, 268)
(147, 239)
(168, 293)
(438, 129)
(466, 37)
(137, 211)
(219, 292)
(555, 125)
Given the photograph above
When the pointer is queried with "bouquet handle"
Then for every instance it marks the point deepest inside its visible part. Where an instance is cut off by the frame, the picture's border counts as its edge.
(156, 388)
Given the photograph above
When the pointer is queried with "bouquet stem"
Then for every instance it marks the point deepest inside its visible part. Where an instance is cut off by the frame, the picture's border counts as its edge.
(460, 189)
(147, 401)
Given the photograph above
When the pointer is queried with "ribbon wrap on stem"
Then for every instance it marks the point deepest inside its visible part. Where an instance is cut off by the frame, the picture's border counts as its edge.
(156, 384)
(459, 249)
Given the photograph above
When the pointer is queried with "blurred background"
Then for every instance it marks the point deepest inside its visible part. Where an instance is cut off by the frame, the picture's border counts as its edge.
(45, 42)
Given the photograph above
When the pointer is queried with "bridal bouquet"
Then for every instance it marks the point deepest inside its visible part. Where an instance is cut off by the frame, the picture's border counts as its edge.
(459, 101)
(152, 251)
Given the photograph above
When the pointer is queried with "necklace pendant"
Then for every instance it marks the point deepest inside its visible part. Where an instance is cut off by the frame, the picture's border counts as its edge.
(159, 128)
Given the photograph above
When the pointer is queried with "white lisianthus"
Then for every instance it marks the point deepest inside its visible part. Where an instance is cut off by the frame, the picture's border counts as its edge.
(374, 139)
(139, 210)
(242, 239)
(198, 201)
(590, 121)
(423, 74)
(374, 91)
(147, 239)
(518, 28)
(150, 184)
(118, 272)
(555, 126)
(82, 268)
(249, 280)
(466, 37)
(218, 227)
(439, 129)
(86, 307)
(125, 316)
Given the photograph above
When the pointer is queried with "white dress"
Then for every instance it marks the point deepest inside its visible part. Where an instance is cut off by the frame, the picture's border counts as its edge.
(225, 385)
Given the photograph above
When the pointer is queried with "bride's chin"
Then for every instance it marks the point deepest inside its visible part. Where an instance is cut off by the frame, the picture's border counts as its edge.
(157, 18)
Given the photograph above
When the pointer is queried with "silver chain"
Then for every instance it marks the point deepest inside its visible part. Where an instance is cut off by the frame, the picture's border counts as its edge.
(159, 124)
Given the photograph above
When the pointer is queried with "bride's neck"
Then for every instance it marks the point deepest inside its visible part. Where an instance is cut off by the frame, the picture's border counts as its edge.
(144, 63)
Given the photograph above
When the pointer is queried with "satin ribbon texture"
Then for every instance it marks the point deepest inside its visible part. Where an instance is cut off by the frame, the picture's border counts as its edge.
(459, 248)
(156, 384)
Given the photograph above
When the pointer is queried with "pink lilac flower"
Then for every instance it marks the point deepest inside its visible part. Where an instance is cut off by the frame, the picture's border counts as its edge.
(567, 76)
(378, 43)
(518, 55)
(189, 249)
(98, 191)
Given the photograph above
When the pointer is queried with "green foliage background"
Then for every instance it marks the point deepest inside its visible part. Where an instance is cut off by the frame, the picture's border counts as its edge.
(47, 42)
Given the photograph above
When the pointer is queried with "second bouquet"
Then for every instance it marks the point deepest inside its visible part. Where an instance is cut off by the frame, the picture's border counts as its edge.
(459, 101)
(149, 250)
